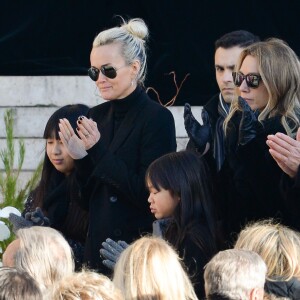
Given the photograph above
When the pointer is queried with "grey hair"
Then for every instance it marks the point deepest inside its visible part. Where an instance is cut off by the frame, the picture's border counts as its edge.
(17, 284)
(234, 274)
(44, 254)
(132, 37)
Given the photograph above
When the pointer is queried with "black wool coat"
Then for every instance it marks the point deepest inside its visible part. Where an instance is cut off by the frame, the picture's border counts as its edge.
(112, 175)
(254, 185)
(290, 190)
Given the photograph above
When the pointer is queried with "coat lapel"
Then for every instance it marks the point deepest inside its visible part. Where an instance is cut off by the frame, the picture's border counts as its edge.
(126, 126)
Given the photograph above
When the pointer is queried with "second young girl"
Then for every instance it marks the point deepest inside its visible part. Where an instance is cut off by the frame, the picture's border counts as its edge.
(181, 200)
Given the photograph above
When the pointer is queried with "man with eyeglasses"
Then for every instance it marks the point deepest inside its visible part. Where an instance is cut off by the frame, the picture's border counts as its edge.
(208, 139)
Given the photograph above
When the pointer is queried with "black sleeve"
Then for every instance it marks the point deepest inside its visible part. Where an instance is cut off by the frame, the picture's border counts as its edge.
(290, 190)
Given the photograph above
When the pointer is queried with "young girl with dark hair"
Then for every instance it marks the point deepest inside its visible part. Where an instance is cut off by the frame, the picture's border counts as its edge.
(57, 194)
(181, 193)
(181, 200)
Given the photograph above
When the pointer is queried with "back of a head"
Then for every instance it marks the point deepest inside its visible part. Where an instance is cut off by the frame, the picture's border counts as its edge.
(16, 284)
(238, 38)
(278, 245)
(150, 269)
(85, 285)
(44, 254)
(234, 274)
(132, 36)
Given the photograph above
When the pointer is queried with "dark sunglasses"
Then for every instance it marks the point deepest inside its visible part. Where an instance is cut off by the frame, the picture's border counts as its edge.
(252, 80)
(107, 71)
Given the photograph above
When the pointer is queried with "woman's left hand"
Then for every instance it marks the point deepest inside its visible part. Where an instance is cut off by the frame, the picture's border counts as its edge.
(88, 131)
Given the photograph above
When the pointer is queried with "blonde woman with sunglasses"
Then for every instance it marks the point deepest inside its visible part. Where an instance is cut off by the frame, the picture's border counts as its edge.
(118, 140)
(267, 80)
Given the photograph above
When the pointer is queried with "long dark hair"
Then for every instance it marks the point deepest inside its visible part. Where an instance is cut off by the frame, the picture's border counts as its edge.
(50, 176)
(185, 174)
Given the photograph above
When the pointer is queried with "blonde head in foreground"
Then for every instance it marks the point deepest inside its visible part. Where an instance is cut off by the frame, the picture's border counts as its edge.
(150, 269)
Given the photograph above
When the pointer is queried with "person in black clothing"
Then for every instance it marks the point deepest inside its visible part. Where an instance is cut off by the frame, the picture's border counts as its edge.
(118, 140)
(181, 200)
(267, 77)
(55, 201)
(181, 192)
(208, 139)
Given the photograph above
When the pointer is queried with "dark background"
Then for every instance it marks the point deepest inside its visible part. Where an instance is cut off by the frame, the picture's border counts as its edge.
(54, 37)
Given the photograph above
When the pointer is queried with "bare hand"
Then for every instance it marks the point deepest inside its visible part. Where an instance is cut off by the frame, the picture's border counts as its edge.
(88, 132)
(286, 152)
(71, 141)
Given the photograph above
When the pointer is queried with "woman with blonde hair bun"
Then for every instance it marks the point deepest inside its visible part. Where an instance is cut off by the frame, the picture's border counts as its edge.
(118, 140)
(279, 247)
(150, 269)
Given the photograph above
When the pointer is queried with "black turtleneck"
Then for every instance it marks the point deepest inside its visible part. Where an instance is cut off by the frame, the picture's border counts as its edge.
(122, 106)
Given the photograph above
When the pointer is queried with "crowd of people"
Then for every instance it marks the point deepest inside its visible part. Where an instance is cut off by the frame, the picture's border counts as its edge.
(119, 214)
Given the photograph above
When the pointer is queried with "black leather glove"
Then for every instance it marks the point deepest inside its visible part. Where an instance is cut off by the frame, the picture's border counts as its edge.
(111, 252)
(35, 218)
(199, 134)
(248, 125)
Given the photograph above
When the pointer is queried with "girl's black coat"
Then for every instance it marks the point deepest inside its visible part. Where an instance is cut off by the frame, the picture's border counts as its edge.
(112, 175)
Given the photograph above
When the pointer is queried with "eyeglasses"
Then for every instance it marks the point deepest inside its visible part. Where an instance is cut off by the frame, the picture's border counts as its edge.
(107, 71)
(252, 80)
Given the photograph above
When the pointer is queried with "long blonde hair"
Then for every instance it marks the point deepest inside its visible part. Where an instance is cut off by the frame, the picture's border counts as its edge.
(278, 245)
(149, 269)
(279, 67)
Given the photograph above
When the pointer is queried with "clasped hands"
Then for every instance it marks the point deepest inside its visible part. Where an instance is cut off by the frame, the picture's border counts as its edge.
(88, 136)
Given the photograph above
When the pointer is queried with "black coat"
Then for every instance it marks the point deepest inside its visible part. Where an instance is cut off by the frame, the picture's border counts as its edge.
(61, 205)
(254, 187)
(113, 173)
(290, 189)
(219, 178)
(283, 289)
(196, 249)
(196, 255)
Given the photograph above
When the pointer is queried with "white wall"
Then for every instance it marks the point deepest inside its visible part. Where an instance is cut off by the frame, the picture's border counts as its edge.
(34, 98)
